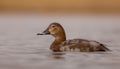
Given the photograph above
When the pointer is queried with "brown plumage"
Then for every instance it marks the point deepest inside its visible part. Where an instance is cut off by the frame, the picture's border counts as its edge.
(61, 44)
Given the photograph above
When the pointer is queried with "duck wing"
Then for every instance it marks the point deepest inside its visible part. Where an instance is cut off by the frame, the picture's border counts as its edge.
(82, 45)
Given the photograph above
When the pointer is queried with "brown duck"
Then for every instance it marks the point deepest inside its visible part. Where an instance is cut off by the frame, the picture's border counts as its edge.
(60, 43)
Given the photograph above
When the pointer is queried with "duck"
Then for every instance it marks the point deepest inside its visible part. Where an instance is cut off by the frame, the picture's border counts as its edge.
(60, 44)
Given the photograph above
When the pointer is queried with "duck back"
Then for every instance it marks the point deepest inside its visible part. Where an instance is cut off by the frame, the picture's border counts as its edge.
(82, 45)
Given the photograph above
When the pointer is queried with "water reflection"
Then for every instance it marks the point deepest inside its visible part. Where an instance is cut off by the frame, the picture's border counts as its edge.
(57, 55)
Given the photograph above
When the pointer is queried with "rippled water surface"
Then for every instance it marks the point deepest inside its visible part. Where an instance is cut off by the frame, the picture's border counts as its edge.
(21, 48)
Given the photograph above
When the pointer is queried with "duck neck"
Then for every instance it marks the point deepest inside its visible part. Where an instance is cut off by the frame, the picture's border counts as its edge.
(58, 40)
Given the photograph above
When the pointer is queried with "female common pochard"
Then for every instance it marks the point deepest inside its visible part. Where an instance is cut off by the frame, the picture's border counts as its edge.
(60, 44)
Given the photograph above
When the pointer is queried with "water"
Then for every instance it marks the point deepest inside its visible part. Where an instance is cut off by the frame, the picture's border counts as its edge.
(21, 48)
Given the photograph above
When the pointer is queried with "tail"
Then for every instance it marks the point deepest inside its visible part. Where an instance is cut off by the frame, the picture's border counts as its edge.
(104, 48)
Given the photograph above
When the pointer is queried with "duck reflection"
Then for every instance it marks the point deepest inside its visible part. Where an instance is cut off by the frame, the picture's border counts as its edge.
(57, 55)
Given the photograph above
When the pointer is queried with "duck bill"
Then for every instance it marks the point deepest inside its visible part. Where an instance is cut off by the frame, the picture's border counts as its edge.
(46, 32)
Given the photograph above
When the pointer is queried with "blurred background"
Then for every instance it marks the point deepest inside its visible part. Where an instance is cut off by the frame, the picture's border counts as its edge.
(61, 5)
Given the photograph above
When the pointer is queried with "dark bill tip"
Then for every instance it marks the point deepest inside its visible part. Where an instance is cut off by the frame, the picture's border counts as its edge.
(43, 34)
(40, 34)
(46, 32)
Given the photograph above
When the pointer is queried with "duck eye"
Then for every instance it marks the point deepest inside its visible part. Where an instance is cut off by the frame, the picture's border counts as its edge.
(53, 26)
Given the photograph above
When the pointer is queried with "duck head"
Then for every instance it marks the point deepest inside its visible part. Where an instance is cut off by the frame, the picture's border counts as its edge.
(54, 29)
